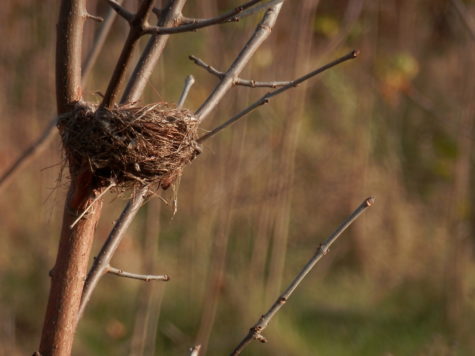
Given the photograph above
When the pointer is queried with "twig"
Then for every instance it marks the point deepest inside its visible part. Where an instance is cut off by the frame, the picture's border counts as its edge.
(151, 54)
(120, 10)
(98, 43)
(260, 34)
(195, 350)
(462, 12)
(139, 27)
(188, 24)
(265, 99)
(258, 8)
(112, 184)
(137, 24)
(255, 332)
(142, 277)
(189, 81)
(237, 81)
(199, 62)
(102, 261)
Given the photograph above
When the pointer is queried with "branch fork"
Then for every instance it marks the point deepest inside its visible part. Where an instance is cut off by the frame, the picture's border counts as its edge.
(236, 80)
(181, 23)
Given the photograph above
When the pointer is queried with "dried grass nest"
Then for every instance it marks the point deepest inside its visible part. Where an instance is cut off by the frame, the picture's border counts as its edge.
(130, 146)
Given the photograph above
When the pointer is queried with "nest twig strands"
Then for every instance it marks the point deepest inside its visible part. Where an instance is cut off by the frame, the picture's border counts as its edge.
(132, 146)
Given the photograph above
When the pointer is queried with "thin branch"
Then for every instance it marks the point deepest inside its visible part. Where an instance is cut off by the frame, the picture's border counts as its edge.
(199, 62)
(189, 81)
(137, 23)
(195, 350)
(265, 99)
(142, 277)
(88, 208)
(195, 24)
(462, 12)
(102, 261)
(255, 332)
(260, 34)
(151, 54)
(120, 10)
(258, 8)
(99, 41)
(237, 81)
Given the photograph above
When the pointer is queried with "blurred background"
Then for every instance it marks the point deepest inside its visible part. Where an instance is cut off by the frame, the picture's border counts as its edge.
(396, 123)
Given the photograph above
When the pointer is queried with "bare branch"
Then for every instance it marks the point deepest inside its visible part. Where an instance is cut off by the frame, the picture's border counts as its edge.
(199, 62)
(257, 84)
(188, 24)
(121, 11)
(255, 332)
(68, 54)
(259, 7)
(151, 54)
(189, 81)
(260, 34)
(98, 43)
(136, 30)
(88, 208)
(102, 261)
(142, 277)
(237, 81)
(265, 99)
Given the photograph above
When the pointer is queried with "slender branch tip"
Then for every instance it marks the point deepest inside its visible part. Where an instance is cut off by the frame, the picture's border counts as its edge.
(370, 201)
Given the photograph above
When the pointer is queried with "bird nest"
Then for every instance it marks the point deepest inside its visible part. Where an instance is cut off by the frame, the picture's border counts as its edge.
(130, 146)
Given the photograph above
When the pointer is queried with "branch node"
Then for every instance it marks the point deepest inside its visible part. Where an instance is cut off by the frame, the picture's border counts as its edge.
(323, 249)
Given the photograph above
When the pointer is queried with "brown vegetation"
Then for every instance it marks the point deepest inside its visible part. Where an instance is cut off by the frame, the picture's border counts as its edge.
(398, 123)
